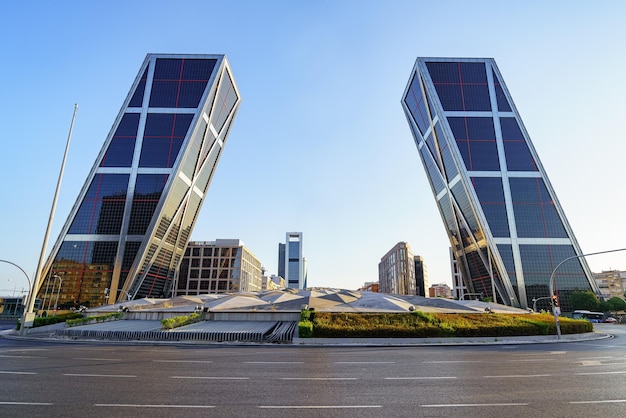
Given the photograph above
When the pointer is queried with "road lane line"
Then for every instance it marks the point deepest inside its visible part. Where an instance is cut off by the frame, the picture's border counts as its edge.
(420, 378)
(451, 361)
(130, 405)
(318, 378)
(589, 373)
(463, 405)
(605, 401)
(534, 360)
(97, 375)
(10, 356)
(364, 362)
(183, 361)
(96, 359)
(274, 362)
(9, 372)
(318, 406)
(210, 377)
(518, 375)
(26, 403)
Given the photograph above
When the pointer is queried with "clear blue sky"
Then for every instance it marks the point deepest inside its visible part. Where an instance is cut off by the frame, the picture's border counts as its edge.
(320, 144)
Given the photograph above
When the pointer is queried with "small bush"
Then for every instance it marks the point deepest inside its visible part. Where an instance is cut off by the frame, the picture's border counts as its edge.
(99, 318)
(180, 321)
(305, 329)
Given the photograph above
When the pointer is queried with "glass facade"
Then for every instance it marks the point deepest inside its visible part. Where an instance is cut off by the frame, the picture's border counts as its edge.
(133, 219)
(506, 227)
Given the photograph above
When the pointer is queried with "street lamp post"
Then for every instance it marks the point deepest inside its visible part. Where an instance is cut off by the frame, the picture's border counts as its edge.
(58, 291)
(535, 300)
(556, 309)
(25, 303)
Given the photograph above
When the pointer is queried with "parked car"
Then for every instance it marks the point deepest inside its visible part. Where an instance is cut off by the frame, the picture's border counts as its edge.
(610, 319)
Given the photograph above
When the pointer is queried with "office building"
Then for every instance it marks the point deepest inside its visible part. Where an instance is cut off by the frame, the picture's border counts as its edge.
(506, 227)
(221, 266)
(291, 263)
(396, 271)
(440, 290)
(611, 283)
(421, 276)
(133, 218)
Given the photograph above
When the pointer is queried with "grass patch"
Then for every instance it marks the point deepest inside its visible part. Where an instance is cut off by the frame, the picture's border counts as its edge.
(434, 325)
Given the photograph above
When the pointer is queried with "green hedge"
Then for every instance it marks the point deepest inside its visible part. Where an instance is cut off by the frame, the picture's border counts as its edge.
(179, 321)
(41, 321)
(99, 318)
(432, 325)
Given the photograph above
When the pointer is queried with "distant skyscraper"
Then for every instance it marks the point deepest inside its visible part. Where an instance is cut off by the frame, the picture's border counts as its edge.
(421, 276)
(396, 271)
(292, 263)
(133, 218)
(507, 229)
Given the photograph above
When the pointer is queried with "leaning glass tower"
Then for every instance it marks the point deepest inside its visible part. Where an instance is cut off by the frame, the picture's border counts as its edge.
(506, 227)
(128, 230)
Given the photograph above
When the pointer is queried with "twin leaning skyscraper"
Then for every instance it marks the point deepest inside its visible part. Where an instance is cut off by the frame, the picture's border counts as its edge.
(133, 218)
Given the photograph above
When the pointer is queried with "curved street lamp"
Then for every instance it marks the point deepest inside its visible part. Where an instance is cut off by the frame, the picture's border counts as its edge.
(557, 312)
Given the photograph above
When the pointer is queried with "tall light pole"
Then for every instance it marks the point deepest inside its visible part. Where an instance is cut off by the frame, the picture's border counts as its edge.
(58, 291)
(35, 284)
(557, 312)
(27, 278)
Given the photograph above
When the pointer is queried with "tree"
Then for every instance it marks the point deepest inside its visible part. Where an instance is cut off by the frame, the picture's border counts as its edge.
(584, 300)
(617, 304)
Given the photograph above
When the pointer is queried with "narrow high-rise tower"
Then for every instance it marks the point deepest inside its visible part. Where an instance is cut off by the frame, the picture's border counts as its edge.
(127, 232)
(507, 229)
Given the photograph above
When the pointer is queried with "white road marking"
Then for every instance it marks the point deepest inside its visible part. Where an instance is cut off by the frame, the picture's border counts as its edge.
(451, 361)
(27, 403)
(364, 362)
(210, 377)
(318, 378)
(274, 362)
(7, 372)
(605, 401)
(519, 375)
(318, 406)
(590, 373)
(420, 378)
(10, 356)
(96, 359)
(97, 375)
(128, 405)
(183, 361)
(531, 359)
(456, 405)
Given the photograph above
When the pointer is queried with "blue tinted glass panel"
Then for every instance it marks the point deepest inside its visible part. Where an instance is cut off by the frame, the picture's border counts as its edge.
(476, 98)
(450, 96)
(163, 137)
(506, 254)
(473, 73)
(491, 196)
(476, 141)
(180, 83)
(225, 101)
(503, 103)
(448, 162)
(415, 103)
(102, 209)
(463, 202)
(444, 72)
(147, 195)
(434, 175)
(137, 99)
(122, 146)
(535, 212)
(430, 142)
(518, 157)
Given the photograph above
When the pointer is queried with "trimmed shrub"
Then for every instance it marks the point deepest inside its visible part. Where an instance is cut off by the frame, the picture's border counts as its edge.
(179, 321)
(305, 329)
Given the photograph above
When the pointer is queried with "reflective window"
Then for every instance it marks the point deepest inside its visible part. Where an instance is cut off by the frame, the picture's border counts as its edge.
(180, 83)
(224, 103)
(503, 103)
(535, 212)
(415, 103)
(461, 86)
(491, 196)
(434, 175)
(163, 137)
(86, 268)
(102, 209)
(130, 252)
(122, 146)
(137, 99)
(148, 188)
(518, 157)
(476, 140)
(506, 254)
(539, 262)
(463, 202)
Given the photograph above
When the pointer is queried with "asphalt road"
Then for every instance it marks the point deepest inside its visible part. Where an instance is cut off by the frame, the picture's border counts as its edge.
(583, 379)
